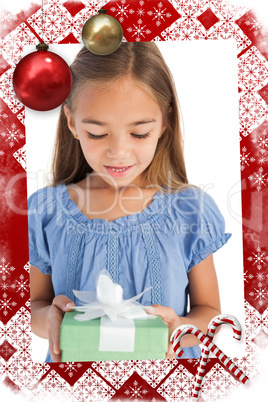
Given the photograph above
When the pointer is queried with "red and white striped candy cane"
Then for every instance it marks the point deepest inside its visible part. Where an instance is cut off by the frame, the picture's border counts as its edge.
(212, 326)
(192, 329)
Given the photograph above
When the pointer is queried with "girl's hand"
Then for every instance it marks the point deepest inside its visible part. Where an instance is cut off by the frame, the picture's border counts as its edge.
(172, 321)
(59, 306)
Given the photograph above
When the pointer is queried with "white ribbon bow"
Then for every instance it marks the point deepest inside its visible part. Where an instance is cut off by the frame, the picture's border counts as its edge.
(108, 300)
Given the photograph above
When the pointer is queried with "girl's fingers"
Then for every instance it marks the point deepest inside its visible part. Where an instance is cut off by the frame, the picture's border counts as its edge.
(56, 357)
(55, 319)
(55, 333)
(63, 303)
(169, 317)
(156, 309)
(170, 353)
(60, 305)
(166, 313)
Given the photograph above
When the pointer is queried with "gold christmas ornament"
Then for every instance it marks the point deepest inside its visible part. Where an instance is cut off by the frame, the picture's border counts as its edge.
(102, 34)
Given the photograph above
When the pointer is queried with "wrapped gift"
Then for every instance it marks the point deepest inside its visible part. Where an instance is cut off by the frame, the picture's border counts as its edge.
(81, 340)
(107, 327)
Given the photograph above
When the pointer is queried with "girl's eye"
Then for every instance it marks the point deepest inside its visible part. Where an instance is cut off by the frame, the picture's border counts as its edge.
(96, 137)
(140, 136)
(99, 137)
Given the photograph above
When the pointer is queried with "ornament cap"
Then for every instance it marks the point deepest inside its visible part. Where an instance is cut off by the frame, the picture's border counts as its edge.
(42, 46)
(102, 11)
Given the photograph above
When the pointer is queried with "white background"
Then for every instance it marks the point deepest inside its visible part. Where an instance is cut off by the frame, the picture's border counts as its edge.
(205, 74)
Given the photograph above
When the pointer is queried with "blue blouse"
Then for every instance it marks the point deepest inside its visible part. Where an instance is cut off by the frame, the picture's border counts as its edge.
(156, 247)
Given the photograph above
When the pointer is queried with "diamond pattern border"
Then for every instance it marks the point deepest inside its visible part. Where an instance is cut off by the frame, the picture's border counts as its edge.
(141, 20)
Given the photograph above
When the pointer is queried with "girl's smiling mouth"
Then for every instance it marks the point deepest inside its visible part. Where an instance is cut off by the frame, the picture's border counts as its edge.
(117, 171)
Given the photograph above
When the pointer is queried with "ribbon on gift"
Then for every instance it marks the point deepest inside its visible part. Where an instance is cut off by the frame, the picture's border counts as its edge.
(117, 329)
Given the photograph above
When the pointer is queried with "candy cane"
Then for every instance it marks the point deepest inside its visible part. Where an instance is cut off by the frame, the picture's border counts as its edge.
(192, 329)
(212, 326)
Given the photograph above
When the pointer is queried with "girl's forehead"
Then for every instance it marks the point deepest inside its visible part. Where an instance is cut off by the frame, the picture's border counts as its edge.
(124, 93)
(119, 84)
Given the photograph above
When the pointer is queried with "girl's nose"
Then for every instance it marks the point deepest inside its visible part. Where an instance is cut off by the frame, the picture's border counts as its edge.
(118, 147)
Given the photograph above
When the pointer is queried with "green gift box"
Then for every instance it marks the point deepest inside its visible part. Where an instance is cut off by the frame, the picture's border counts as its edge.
(80, 340)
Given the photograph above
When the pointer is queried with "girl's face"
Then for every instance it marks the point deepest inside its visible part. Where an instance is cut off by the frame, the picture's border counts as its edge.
(118, 128)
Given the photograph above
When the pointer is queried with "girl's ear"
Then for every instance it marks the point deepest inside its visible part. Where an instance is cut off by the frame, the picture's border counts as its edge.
(164, 127)
(69, 118)
(165, 121)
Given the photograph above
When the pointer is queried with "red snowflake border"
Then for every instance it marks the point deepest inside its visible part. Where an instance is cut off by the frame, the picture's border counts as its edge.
(141, 21)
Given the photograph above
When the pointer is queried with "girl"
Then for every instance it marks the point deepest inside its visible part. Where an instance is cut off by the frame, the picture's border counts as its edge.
(121, 201)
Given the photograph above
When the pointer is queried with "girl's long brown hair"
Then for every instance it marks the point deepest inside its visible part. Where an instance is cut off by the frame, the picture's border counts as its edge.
(143, 62)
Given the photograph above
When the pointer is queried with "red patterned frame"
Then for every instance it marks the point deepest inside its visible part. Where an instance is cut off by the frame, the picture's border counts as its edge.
(141, 21)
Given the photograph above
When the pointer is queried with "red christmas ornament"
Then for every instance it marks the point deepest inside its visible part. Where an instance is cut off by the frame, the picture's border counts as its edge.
(42, 80)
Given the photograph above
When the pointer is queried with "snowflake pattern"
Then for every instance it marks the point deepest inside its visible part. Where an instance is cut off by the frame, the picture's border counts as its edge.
(252, 109)
(259, 179)
(245, 158)
(247, 276)
(21, 116)
(15, 43)
(21, 286)
(136, 392)
(122, 10)
(7, 93)
(6, 304)
(254, 321)
(116, 372)
(20, 156)
(7, 19)
(262, 160)
(254, 25)
(3, 116)
(158, 14)
(12, 136)
(260, 295)
(259, 292)
(261, 141)
(5, 269)
(139, 31)
(219, 388)
(259, 258)
(100, 381)
(177, 386)
(91, 387)
(155, 370)
(252, 71)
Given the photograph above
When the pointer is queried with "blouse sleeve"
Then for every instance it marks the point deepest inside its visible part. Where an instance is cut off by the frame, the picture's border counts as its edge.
(210, 234)
(37, 219)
